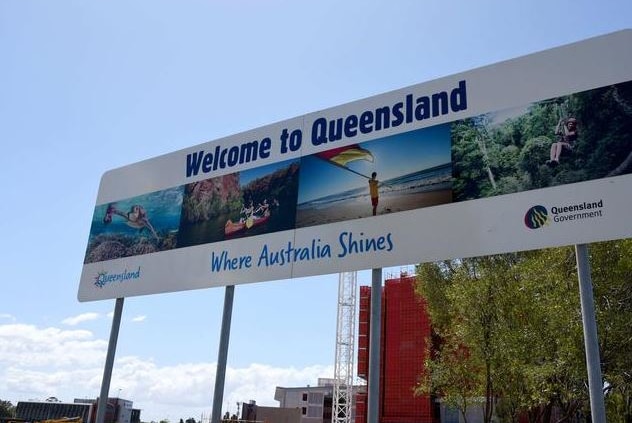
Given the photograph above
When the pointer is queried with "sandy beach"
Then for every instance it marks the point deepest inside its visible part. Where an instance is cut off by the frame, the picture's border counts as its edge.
(359, 208)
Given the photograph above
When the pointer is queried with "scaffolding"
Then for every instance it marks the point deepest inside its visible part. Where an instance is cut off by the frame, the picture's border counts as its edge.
(345, 349)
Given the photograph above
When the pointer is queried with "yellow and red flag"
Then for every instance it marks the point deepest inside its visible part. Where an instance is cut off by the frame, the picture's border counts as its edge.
(343, 155)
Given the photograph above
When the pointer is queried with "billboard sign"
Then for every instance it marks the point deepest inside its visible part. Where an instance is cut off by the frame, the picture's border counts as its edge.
(529, 153)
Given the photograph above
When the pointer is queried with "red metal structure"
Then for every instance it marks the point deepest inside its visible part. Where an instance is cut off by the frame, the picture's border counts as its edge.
(405, 331)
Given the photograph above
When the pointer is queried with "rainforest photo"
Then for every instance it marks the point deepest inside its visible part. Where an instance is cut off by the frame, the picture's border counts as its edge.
(511, 150)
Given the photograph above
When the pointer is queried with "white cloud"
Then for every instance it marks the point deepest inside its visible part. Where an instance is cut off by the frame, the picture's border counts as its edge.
(139, 318)
(186, 390)
(27, 346)
(75, 320)
(42, 362)
(7, 317)
(257, 381)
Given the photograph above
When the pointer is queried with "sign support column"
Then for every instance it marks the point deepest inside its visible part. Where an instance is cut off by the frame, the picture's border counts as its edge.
(102, 402)
(591, 342)
(373, 400)
(222, 356)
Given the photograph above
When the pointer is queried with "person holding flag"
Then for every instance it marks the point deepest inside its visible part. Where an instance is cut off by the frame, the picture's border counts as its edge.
(341, 156)
(374, 192)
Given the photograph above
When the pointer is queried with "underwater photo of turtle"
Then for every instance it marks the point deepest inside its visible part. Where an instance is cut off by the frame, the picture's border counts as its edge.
(135, 226)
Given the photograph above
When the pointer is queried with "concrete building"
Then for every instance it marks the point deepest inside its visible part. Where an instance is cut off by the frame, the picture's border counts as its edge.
(251, 412)
(313, 402)
(118, 410)
(48, 410)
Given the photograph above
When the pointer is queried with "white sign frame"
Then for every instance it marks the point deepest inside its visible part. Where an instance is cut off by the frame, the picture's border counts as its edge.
(582, 212)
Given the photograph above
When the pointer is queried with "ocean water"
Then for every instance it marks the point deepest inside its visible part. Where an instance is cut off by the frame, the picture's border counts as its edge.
(162, 207)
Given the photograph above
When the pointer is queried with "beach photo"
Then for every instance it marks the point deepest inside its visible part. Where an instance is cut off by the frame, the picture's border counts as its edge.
(135, 226)
(397, 173)
(251, 202)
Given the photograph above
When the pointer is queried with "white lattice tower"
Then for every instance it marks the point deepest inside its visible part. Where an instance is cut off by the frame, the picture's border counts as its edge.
(345, 349)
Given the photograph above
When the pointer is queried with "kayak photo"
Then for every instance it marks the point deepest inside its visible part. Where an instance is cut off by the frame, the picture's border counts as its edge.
(251, 202)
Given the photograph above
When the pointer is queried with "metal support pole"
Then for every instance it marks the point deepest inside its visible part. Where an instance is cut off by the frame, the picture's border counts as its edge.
(373, 400)
(102, 403)
(591, 343)
(222, 356)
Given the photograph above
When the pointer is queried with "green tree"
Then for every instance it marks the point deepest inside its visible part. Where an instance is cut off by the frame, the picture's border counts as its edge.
(515, 321)
(611, 273)
(470, 292)
(546, 344)
(6, 409)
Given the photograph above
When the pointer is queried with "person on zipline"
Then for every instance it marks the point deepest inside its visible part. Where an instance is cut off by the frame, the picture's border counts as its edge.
(373, 191)
(567, 133)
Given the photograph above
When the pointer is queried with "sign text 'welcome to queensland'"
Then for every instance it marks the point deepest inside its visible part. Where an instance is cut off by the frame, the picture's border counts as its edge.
(324, 131)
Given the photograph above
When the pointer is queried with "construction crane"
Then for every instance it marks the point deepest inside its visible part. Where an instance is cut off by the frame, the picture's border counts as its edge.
(345, 349)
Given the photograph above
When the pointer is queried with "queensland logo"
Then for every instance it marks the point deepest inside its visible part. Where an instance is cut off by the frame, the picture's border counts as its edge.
(536, 217)
(104, 278)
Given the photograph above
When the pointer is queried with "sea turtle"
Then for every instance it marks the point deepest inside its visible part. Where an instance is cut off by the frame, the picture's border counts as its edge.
(136, 217)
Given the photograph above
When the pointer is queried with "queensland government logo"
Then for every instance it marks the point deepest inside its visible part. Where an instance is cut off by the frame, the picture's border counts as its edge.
(536, 217)
(104, 278)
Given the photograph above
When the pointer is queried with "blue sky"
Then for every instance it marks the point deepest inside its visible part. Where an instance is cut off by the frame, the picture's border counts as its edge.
(88, 86)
